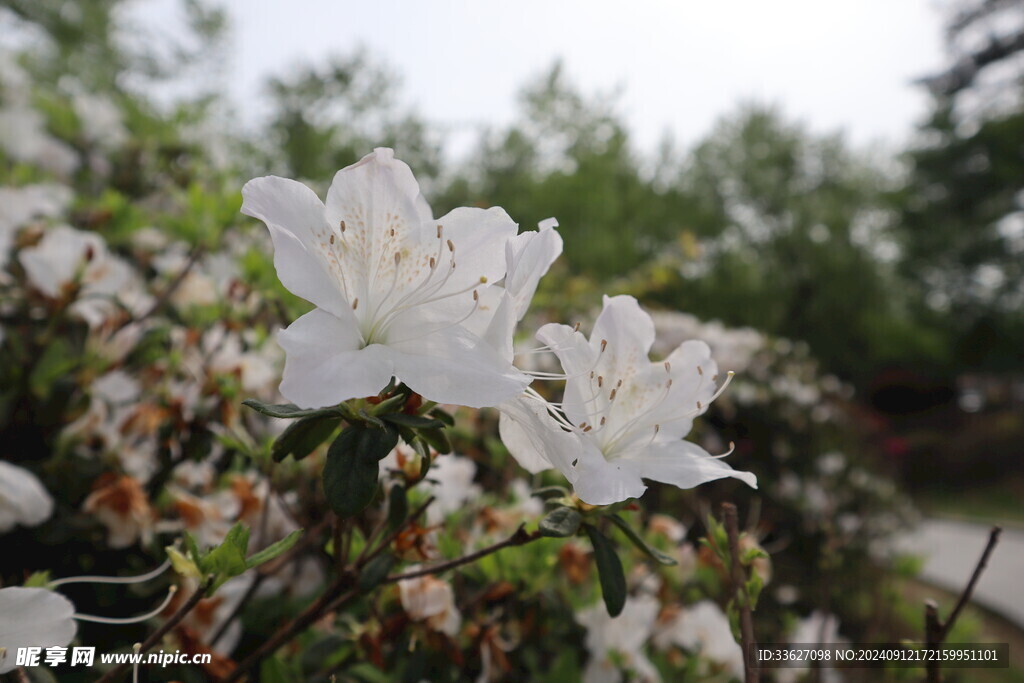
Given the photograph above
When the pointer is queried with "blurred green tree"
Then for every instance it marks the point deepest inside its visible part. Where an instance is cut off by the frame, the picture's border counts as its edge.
(963, 213)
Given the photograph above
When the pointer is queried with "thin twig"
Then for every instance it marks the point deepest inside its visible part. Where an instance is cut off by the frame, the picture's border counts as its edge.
(292, 628)
(738, 578)
(153, 639)
(520, 537)
(993, 539)
(172, 287)
(935, 630)
(365, 557)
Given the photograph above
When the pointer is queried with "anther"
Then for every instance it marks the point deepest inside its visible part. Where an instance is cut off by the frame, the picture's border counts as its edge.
(576, 327)
(392, 232)
(611, 396)
(398, 257)
(343, 226)
(668, 367)
(603, 419)
(433, 263)
(439, 229)
(604, 345)
(700, 371)
(589, 427)
(699, 406)
(451, 247)
(355, 303)
(600, 381)
(476, 295)
(332, 239)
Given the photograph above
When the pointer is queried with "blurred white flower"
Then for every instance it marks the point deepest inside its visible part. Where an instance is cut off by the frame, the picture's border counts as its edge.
(24, 138)
(703, 629)
(622, 418)
(23, 204)
(23, 498)
(617, 641)
(100, 120)
(432, 600)
(32, 617)
(450, 481)
(392, 286)
(120, 504)
(66, 256)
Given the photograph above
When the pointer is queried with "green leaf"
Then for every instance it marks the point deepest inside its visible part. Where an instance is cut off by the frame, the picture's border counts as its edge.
(390, 404)
(442, 416)
(57, 361)
(353, 463)
(561, 523)
(754, 586)
(398, 506)
(413, 421)
(640, 543)
(303, 436)
(290, 411)
(274, 550)
(437, 440)
(37, 580)
(751, 554)
(375, 571)
(225, 561)
(372, 419)
(551, 492)
(609, 571)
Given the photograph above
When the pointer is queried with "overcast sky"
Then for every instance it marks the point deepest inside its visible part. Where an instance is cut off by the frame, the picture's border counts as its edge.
(836, 65)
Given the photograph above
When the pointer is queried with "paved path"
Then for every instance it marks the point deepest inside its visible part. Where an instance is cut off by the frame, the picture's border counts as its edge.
(951, 550)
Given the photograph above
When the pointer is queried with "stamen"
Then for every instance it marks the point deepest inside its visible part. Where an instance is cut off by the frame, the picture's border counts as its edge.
(141, 578)
(136, 648)
(355, 303)
(732, 447)
(343, 226)
(600, 381)
(576, 327)
(604, 345)
(439, 229)
(700, 371)
(668, 367)
(451, 247)
(332, 238)
(129, 620)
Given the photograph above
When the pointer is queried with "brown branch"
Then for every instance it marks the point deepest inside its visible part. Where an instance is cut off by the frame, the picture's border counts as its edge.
(993, 539)
(171, 622)
(520, 537)
(738, 579)
(172, 287)
(365, 557)
(292, 628)
(935, 629)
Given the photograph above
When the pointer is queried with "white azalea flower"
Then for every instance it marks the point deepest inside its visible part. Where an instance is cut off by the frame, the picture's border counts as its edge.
(23, 498)
(23, 204)
(624, 635)
(703, 629)
(429, 599)
(32, 617)
(65, 256)
(450, 481)
(623, 418)
(120, 504)
(393, 287)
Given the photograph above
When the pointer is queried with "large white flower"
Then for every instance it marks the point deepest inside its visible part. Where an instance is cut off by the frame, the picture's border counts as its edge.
(623, 418)
(615, 641)
(32, 617)
(23, 498)
(394, 288)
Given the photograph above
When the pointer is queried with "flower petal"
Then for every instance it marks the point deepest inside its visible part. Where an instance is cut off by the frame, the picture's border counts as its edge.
(683, 464)
(528, 257)
(33, 617)
(295, 217)
(453, 366)
(479, 237)
(23, 498)
(325, 364)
